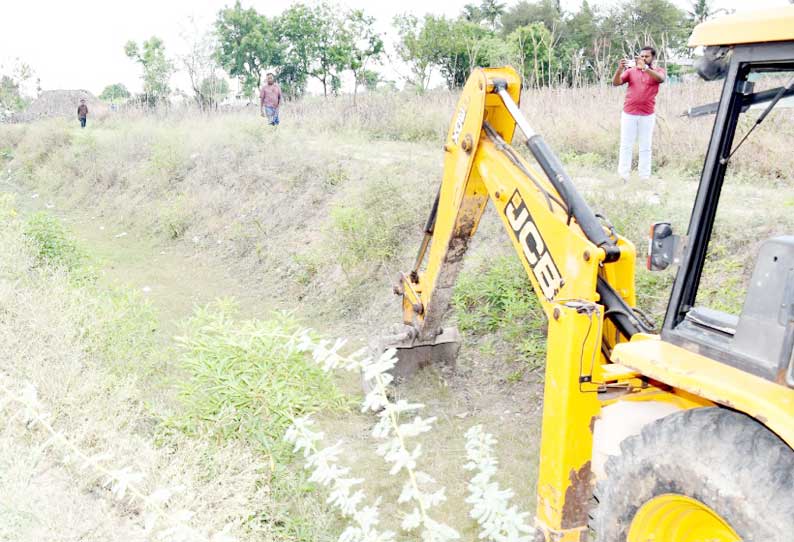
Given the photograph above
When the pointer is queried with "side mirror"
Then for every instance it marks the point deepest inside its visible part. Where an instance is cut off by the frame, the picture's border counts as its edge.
(664, 248)
(714, 63)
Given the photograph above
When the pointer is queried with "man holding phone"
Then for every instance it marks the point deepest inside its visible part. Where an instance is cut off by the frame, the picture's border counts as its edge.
(638, 117)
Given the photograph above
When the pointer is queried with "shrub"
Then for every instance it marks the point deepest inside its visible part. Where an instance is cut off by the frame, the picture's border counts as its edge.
(498, 297)
(169, 157)
(244, 380)
(52, 244)
(372, 231)
(176, 218)
(398, 426)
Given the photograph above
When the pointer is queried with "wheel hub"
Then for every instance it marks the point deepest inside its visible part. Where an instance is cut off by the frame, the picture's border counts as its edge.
(677, 518)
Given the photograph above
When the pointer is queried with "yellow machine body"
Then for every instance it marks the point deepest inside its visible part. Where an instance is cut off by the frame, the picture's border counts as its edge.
(564, 266)
(761, 26)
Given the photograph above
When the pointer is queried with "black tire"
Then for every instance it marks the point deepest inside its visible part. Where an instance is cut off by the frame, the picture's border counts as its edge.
(722, 458)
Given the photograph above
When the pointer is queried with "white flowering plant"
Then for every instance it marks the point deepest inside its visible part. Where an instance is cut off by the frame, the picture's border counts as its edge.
(21, 404)
(398, 425)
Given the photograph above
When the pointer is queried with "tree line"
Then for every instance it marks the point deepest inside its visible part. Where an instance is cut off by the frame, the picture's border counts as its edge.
(548, 45)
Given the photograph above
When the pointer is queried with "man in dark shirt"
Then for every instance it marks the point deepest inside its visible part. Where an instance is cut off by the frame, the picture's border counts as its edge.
(82, 113)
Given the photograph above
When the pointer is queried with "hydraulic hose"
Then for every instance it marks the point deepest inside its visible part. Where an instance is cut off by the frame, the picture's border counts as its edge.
(551, 166)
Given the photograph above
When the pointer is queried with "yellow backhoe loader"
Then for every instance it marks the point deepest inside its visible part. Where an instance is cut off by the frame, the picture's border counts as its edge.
(718, 464)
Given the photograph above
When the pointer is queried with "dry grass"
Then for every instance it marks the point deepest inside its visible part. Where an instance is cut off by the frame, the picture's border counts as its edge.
(50, 331)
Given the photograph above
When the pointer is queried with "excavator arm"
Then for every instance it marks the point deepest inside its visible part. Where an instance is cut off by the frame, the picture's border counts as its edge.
(559, 239)
(582, 273)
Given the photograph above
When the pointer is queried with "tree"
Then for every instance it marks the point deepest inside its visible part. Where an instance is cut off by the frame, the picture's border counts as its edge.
(454, 46)
(366, 47)
(114, 93)
(582, 27)
(491, 11)
(703, 10)
(157, 69)
(10, 97)
(531, 45)
(248, 45)
(637, 23)
(213, 90)
(472, 13)
(201, 65)
(319, 45)
(524, 13)
(415, 49)
(582, 46)
(369, 79)
(12, 94)
(459, 46)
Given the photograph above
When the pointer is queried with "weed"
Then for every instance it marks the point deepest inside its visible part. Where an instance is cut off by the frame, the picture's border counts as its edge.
(52, 244)
(336, 176)
(6, 154)
(10, 136)
(242, 380)
(308, 265)
(168, 158)
(372, 231)
(722, 285)
(122, 330)
(498, 297)
(96, 435)
(584, 159)
(40, 141)
(515, 376)
(653, 292)
(175, 219)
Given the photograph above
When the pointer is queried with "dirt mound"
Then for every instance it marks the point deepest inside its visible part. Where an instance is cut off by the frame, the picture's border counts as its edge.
(62, 103)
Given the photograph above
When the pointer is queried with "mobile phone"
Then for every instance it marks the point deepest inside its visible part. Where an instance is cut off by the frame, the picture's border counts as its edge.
(630, 62)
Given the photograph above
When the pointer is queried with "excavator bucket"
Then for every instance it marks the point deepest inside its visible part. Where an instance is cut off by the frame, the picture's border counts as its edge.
(414, 354)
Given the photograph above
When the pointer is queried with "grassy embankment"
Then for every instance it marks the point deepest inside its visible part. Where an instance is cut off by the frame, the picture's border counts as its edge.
(316, 218)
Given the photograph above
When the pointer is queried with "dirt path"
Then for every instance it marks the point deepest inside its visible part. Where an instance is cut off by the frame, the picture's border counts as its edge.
(174, 276)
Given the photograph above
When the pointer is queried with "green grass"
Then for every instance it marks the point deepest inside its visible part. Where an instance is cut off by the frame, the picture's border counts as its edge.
(585, 160)
(122, 330)
(52, 244)
(369, 232)
(497, 298)
(6, 154)
(175, 219)
(723, 285)
(117, 323)
(306, 267)
(168, 158)
(336, 175)
(243, 379)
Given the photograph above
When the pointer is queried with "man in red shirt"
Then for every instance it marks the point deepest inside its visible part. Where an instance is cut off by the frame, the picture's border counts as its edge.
(638, 117)
(270, 100)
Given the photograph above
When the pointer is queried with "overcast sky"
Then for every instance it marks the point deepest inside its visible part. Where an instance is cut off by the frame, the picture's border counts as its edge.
(79, 45)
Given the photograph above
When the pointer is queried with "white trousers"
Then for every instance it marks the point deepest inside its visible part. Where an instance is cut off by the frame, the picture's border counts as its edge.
(632, 128)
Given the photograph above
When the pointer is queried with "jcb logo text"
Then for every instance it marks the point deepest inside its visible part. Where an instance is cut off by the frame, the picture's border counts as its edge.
(533, 246)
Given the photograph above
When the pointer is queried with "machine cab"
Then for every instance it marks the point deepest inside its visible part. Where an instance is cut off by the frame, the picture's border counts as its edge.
(748, 323)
